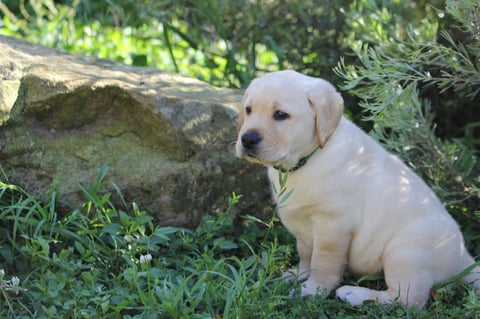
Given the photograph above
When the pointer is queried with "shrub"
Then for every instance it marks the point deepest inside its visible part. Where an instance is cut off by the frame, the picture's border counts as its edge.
(226, 43)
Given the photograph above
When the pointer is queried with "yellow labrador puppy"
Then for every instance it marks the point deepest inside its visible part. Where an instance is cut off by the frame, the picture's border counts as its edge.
(354, 206)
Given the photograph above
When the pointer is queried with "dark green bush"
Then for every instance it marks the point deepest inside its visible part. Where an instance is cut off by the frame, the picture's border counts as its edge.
(224, 42)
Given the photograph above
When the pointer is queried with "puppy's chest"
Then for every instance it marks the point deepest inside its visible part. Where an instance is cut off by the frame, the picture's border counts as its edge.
(302, 202)
(297, 214)
(298, 221)
(302, 215)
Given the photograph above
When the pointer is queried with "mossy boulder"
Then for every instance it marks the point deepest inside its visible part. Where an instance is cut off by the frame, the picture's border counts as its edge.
(167, 139)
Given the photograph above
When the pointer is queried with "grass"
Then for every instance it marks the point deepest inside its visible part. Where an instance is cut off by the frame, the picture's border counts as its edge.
(102, 262)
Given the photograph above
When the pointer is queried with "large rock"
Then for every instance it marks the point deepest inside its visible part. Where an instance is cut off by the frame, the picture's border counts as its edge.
(167, 139)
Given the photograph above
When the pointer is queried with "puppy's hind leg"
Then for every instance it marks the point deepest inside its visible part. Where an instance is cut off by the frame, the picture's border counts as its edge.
(412, 292)
(407, 280)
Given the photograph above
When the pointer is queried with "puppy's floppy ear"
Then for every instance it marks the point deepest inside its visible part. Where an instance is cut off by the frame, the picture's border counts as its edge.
(328, 106)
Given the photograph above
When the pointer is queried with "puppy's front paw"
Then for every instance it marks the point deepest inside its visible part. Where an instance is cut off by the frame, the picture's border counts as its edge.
(294, 274)
(290, 276)
(309, 288)
(353, 295)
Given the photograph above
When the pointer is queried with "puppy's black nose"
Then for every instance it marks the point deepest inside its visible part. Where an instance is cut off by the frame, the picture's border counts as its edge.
(250, 139)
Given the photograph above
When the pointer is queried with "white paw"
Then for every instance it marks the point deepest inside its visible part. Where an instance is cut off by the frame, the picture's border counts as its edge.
(290, 276)
(311, 288)
(353, 295)
(294, 274)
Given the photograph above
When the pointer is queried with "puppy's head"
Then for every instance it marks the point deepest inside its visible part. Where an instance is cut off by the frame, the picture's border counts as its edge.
(284, 116)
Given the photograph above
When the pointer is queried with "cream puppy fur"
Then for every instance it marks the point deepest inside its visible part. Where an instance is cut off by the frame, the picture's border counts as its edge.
(353, 206)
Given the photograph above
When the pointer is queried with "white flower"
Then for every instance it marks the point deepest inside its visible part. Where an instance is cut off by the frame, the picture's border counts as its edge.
(145, 258)
(15, 281)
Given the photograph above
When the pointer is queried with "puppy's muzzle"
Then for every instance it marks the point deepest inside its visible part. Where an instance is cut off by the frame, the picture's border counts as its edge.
(250, 140)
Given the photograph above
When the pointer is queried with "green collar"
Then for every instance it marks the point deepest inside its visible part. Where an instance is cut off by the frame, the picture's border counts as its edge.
(300, 163)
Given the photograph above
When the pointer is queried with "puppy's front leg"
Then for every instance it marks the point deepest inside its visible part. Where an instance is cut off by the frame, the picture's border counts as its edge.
(328, 259)
(303, 270)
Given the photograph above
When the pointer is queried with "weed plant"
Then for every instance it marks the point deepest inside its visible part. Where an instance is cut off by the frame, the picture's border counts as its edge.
(98, 261)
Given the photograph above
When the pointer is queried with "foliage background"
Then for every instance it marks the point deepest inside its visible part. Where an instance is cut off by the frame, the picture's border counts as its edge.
(410, 73)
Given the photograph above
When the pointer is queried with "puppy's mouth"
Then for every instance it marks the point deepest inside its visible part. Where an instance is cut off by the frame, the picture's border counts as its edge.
(252, 157)
(249, 156)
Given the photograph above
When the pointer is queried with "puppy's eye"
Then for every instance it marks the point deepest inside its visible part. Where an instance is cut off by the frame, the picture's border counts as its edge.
(248, 110)
(280, 116)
